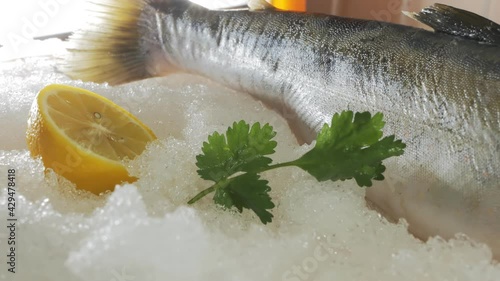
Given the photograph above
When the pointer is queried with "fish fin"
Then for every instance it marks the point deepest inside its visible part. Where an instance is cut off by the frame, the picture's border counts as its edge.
(110, 48)
(454, 21)
(253, 5)
(259, 5)
(235, 8)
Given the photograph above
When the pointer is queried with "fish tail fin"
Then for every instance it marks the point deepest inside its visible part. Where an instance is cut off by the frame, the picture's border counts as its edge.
(454, 21)
(116, 46)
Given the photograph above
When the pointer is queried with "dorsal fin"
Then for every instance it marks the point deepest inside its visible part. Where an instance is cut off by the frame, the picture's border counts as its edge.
(256, 5)
(450, 20)
(251, 5)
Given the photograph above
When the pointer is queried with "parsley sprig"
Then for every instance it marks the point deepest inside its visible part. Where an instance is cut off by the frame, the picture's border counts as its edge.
(350, 148)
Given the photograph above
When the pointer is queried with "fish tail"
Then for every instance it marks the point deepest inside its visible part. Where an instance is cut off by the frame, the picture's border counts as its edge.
(119, 44)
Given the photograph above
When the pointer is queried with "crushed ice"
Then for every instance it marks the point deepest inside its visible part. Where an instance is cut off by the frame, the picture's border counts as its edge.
(145, 230)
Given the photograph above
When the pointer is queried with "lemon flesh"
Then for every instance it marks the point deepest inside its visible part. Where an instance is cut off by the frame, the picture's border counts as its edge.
(85, 137)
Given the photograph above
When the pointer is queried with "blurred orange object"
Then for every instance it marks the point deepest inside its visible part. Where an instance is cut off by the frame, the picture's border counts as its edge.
(290, 5)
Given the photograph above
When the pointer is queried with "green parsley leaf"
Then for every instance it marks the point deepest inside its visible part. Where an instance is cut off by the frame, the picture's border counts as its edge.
(249, 192)
(241, 149)
(351, 149)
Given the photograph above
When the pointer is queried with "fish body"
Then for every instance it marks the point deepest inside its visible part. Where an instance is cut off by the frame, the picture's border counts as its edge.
(439, 93)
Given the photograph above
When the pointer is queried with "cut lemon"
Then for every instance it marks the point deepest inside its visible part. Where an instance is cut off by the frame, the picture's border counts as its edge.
(85, 137)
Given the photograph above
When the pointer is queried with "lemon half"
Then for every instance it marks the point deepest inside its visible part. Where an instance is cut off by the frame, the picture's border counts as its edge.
(85, 137)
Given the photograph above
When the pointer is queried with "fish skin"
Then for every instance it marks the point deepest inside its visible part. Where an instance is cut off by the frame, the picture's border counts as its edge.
(275, 57)
(439, 93)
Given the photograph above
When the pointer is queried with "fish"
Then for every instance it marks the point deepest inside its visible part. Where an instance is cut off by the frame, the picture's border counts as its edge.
(439, 89)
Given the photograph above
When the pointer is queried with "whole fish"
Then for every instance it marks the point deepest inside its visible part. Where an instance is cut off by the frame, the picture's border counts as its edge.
(439, 90)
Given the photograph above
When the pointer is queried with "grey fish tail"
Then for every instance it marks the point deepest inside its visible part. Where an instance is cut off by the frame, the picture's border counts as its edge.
(119, 44)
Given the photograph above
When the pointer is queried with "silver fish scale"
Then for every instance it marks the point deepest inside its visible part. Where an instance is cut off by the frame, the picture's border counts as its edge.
(439, 93)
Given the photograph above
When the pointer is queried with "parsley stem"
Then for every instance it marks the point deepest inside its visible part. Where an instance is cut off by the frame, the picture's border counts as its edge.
(279, 165)
(202, 194)
(220, 184)
(223, 183)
